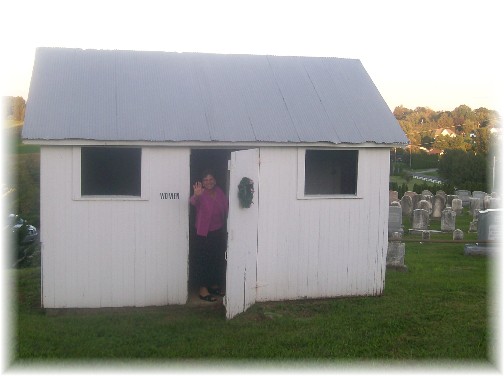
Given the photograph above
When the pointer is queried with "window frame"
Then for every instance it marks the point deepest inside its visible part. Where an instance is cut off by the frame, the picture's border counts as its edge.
(302, 177)
(77, 177)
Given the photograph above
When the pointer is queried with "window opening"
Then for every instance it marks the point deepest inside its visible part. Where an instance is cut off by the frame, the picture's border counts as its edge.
(109, 171)
(331, 172)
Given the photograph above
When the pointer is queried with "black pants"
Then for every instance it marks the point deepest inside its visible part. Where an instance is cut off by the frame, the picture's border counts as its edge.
(210, 259)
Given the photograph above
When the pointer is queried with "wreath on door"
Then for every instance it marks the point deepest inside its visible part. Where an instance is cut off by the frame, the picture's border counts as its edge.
(246, 192)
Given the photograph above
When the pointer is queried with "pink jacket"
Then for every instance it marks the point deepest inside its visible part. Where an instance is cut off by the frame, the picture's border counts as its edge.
(211, 212)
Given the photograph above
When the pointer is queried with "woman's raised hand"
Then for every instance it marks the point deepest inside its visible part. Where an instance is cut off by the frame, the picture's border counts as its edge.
(198, 188)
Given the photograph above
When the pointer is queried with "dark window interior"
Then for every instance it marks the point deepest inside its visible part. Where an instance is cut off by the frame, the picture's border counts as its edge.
(329, 172)
(111, 171)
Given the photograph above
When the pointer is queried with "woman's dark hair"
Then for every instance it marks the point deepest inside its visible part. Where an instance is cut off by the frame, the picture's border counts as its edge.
(206, 172)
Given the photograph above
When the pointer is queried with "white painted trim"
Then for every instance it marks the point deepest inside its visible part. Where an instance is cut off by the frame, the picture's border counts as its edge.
(210, 144)
(76, 180)
(301, 180)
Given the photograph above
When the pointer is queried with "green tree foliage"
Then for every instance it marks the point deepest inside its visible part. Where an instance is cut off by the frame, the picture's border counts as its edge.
(464, 169)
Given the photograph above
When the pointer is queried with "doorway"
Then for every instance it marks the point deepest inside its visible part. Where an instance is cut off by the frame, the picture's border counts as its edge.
(215, 160)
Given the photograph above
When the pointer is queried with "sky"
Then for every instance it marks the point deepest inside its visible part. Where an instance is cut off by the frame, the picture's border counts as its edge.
(438, 54)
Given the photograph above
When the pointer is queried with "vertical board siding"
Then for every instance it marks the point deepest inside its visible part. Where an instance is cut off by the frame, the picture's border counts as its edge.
(321, 247)
(106, 253)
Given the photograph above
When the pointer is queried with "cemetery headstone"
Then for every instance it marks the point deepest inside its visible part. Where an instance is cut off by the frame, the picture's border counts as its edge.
(449, 199)
(395, 253)
(406, 205)
(448, 217)
(395, 220)
(393, 196)
(427, 193)
(457, 206)
(442, 193)
(420, 219)
(458, 234)
(438, 206)
(426, 205)
(464, 195)
(479, 194)
(475, 203)
(495, 203)
(410, 193)
(416, 199)
(489, 223)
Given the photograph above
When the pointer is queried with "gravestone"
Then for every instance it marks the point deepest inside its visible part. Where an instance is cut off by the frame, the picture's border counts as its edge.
(427, 193)
(449, 199)
(395, 220)
(457, 206)
(410, 193)
(442, 193)
(486, 202)
(395, 253)
(393, 196)
(426, 205)
(464, 195)
(395, 203)
(495, 203)
(458, 234)
(420, 220)
(448, 218)
(416, 199)
(426, 235)
(489, 223)
(406, 205)
(475, 203)
(428, 198)
(438, 206)
(479, 194)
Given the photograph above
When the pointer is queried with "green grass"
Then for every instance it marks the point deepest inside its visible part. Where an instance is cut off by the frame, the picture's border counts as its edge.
(435, 311)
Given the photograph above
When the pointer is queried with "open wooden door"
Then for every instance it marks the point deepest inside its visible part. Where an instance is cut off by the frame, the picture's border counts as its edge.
(241, 275)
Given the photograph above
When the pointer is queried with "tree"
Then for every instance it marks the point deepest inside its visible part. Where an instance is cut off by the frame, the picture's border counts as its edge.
(464, 169)
(481, 141)
(445, 121)
(14, 107)
(462, 113)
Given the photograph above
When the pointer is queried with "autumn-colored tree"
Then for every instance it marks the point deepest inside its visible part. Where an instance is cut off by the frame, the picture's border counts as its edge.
(461, 114)
(14, 107)
(445, 121)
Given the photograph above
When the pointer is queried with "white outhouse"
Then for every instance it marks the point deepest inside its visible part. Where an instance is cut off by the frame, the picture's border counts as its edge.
(123, 135)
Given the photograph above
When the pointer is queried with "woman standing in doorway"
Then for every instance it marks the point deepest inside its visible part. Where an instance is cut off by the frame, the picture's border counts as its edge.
(211, 206)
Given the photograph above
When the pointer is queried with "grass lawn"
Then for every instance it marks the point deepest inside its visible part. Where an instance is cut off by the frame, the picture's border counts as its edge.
(435, 312)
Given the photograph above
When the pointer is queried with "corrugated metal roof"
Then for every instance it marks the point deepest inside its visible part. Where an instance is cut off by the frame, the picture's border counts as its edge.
(164, 96)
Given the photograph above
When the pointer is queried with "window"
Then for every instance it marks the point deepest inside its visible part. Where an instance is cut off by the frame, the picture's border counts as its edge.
(330, 172)
(108, 171)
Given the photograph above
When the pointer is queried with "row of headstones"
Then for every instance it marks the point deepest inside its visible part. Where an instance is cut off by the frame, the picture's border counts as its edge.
(489, 229)
(422, 207)
(436, 203)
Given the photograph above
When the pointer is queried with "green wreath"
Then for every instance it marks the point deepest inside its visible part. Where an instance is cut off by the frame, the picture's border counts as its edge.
(246, 192)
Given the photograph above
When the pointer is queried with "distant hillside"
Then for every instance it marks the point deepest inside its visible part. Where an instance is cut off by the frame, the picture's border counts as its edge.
(462, 126)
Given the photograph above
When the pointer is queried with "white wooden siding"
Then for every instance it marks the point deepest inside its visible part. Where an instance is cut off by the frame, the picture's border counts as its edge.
(106, 253)
(321, 247)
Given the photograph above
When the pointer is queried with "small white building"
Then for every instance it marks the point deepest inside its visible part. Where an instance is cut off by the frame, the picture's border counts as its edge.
(124, 134)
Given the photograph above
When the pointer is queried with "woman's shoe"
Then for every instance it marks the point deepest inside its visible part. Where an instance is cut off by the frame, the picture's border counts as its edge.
(208, 298)
(215, 291)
